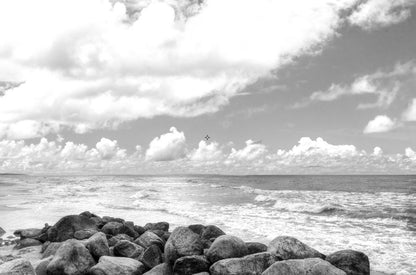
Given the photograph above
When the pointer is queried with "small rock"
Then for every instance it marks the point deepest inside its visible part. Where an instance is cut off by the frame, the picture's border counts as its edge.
(226, 246)
(164, 226)
(84, 234)
(151, 257)
(42, 266)
(28, 233)
(351, 261)
(115, 239)
(115, 228)
(255, 247)
(51, 249)
(158, 232)
(117, 265)
(308, 266)
(128, 249)
(139, 229)
(249, 265)
(149, 238)
(182, 242)
(17, 266)
(97, 245)
(287, 248)
(26, 243)
(189, 265)
(65, 228)
(162, 269)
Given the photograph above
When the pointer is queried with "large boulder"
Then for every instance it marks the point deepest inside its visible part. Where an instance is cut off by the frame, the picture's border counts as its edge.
(211, 232)
(65, 228)
(51, 249)
(162, 269)
(164, 226)
(97, 245)
(128, 249)
(148, 239)
(26, 243)
(107, 219)
(308, 266)
(119, 237)
(189, 265)
(351, 261)
(72, 258)
(41, 268)
(151, 257)
(253, 264)
(287, 248)
(182, 242)
(17, 266)
(84, 234)
(255, 247)
(117, 265)
(226, 246)
(115, 228)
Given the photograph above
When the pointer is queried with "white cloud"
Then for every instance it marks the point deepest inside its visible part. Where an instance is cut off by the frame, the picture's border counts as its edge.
(380, 124)
(251, 151)
(373, 14)
(108, 148)
(206, 152)
(169, 146)
(410, 113)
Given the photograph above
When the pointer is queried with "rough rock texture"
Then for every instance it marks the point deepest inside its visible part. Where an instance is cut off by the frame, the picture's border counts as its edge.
(351, 261)
(151, 257)
(254, 247)
(71, 258)
(226, 246)
(51, 249)
(117, 265)
(42, 266)
(26, 243)
(97, 245)
(107, 219)
(115, 239)
(189, 265)
(149, 238)
(28, 233)
(17, 266)
(211, 232)
(309, 266)
(182, 242)
(139, 229)
(84, 234)
(164, 226)
(162, 269)
(115, 228)
(128, 249)
(287, 248)
(249, 265)
(65, 228)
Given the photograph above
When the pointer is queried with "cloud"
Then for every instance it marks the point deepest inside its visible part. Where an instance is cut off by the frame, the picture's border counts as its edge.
(372, 14)
(169, 146)
(380, 124)
(206, 152)
(410, 113)
(251, 151)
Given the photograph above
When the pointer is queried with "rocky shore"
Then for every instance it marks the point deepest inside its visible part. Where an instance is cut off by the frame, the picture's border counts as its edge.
(89, 244)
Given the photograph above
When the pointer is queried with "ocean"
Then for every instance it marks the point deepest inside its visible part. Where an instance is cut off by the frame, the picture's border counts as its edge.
(372, 214)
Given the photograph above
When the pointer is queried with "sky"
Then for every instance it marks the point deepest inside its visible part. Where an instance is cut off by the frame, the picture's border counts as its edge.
(280, 87)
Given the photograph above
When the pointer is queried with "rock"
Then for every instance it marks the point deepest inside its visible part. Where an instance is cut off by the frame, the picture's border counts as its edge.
(65, 228)
(26, 243)
(117, 265)
(84, 234)
(115, 228)
(226, 246)
(249, 265)
(115, 239)
(164, 226)
(98, 221)
(71, 258)
(128, 249)
(51, 249)
(17, 266)
(211, 232)
(139, 229)
(182, 242)
(189, 265)
(42, 266)
(255, 247)
(151, 257)
(197, 228)
(351, 261)
(97, 245)
(308, 266)
(166, 236)
(202, 273)
(28, 233)
(88, 214)
(149, 238)
(287, 248)
(2, 232)
(158, 232)
(162, 269)
(107, 219)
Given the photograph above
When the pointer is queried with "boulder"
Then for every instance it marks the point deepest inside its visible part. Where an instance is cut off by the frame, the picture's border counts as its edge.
(26, 243)
(107, 219)
(253, 264)
(139, 229)
(158, 232)
(97, 245)
(149, 238)
(117, 265)
(84, 234)
(51, 249)
(351, 261)
(42, 266)
(115, 228)
(182, 242)
(88, 214)
(162, 269)
(287, 248)
(211, 232)
(226, 246)
(308, 266)
(17, 266)
(71, 258)
(166, 236)
(151, 257)
(28, 233)
(189, 265)
(115, 239)
(254, 247)
(65, 228)
(164, 226)
(197, 228)
(128, 249)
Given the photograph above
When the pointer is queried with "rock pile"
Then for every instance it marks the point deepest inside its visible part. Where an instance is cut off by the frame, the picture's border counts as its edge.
(89, 244)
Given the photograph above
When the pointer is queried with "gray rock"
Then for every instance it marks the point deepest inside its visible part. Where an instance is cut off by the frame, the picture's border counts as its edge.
(72, 258)
(151, 257)
(88, 214)
(255, 247)
(115, 239)
(149, 238)
(84, 234)
(17, 266)
(51, 249)
(189, 265)
(65, 228)
(226, 246)
(287, 248)
(253, 264)
(139, 229)
(117, 265)
(115, 228)
(162, 269)
(26, 243)
(351, 261)
(308, 266)
(2, 232)
(182, 242)
(97, 245)
(42, 266)
(211, 232)
(28, 233)
(128, 249)
(197, 228)
(107, 219)
(202, 273)
(164, 226)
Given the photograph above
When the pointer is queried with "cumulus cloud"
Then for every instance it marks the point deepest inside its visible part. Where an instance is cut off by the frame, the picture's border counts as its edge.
(410, 113)
(380, 124)
(169, 146)
(251, 151)
(206, 152)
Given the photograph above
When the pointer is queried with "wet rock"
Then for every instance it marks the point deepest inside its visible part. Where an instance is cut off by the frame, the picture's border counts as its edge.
(287, 248)
(189, 265)
(117, 265)
(65, 228)
(84, 234)
(164, 226)
(51, 249)
(17, 266)
(115, 239)
(249, 265)
(28, 233)
(42, 266)
(149, 238)
(97, 245)
(128, 249)
(226, 246)
(255, 247)
(26, 243)
(351, 261)
(162, 269)
(71, 258)
(182, 242)
(151, 257)
(307, 266)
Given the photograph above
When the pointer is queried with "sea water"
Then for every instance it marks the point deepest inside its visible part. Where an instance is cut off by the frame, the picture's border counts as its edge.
(372, 214)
